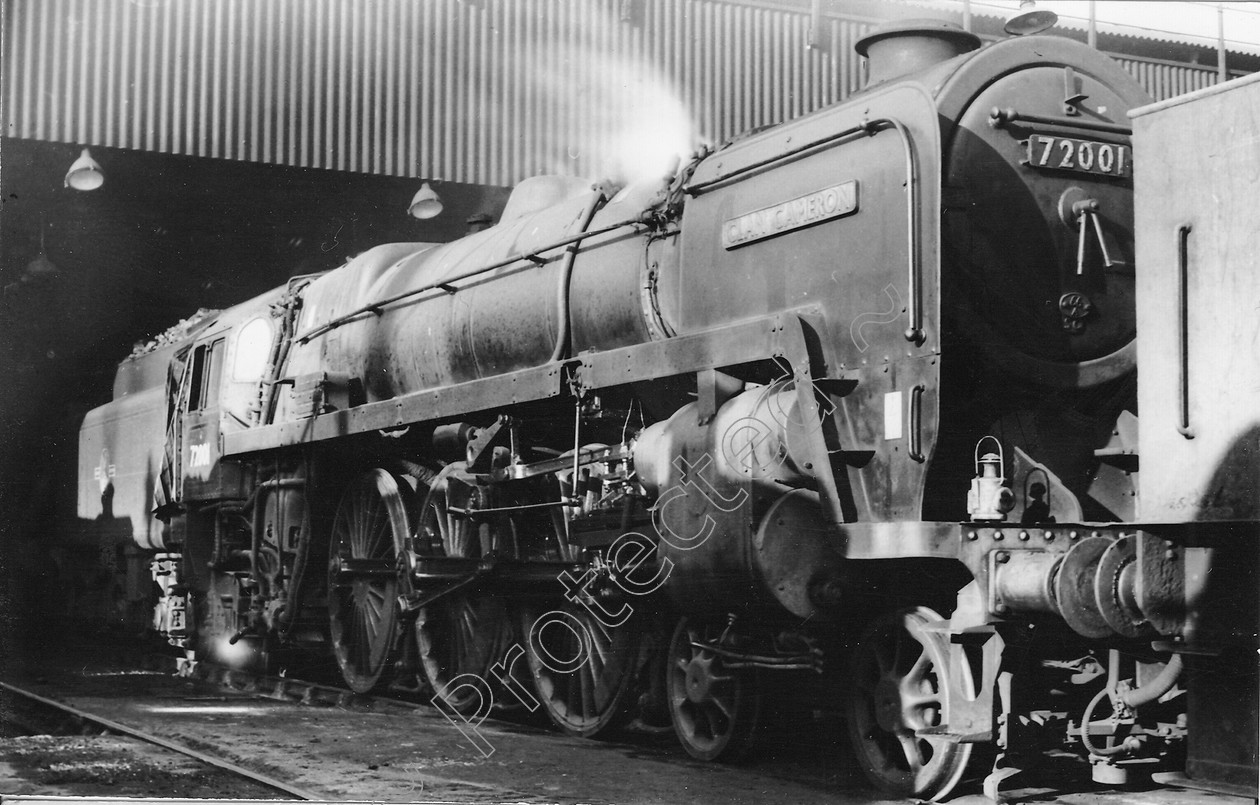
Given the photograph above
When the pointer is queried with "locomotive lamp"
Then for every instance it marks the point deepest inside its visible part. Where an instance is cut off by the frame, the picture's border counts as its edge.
(989, 498)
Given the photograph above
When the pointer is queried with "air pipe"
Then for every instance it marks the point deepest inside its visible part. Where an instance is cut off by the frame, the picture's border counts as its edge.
(566, 274)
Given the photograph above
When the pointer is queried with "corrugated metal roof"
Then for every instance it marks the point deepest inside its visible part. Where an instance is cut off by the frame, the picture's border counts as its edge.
(481, 91)
(475, 91)
(1170, 27)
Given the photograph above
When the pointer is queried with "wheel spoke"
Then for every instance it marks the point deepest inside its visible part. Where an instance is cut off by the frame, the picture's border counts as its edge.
(723, 679)
(573, 696)
(367, 535)
(601, 650)
(382, 539)
(363, 537)
(595, 689)
(369, 634)
(911, 750)
(919, 669)
(354, 518)
(466, 630)
(725, 707)
(360, 639)
(704, 725)
(912, 701)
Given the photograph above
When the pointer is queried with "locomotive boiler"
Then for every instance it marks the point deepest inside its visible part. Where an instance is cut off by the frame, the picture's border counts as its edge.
(678, 445)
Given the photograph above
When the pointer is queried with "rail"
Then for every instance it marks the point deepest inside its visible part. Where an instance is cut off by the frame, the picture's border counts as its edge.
(123, 729)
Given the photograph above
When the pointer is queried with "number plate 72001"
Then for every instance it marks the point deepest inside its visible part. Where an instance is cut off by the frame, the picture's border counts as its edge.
(1082, 156)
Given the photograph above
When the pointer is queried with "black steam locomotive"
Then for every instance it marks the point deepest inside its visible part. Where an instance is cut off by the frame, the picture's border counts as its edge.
(841, 408)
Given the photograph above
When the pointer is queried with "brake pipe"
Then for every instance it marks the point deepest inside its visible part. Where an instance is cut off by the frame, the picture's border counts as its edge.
(1135, 698)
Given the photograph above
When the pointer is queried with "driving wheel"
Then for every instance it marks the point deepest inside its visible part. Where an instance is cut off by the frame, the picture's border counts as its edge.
(463, 632)
(585, 672)
(368, 532)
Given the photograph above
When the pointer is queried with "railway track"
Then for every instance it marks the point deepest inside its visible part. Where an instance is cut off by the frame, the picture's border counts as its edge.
(280, 688)
(296, 739)
(26, 709)
(318, 742)
(322, 694)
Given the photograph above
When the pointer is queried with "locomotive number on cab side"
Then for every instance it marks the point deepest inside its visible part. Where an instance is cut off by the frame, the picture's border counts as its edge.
(1083, 156)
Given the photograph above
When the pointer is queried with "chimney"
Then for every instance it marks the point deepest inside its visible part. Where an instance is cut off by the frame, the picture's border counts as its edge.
(902, 47)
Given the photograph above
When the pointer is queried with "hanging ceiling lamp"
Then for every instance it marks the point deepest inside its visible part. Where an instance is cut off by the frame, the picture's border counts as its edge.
(85, 173)
(41, 268)
(1030, 20)
(425, 203)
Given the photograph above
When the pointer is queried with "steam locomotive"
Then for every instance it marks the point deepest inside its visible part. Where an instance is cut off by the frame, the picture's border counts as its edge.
(845, 407)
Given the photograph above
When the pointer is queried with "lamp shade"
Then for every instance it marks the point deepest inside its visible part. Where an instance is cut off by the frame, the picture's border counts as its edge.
(85, 174)
(425, 204)
(40, 268)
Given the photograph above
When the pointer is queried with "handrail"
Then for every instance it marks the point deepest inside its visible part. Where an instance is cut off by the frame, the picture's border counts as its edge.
(1183, 331)
(916, 423)
(533, 256)
(914, 331)
(782, 156)
(999, 118)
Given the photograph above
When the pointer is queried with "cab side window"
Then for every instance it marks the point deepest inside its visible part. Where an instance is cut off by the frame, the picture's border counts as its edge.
(253, 347)
(206, 372)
